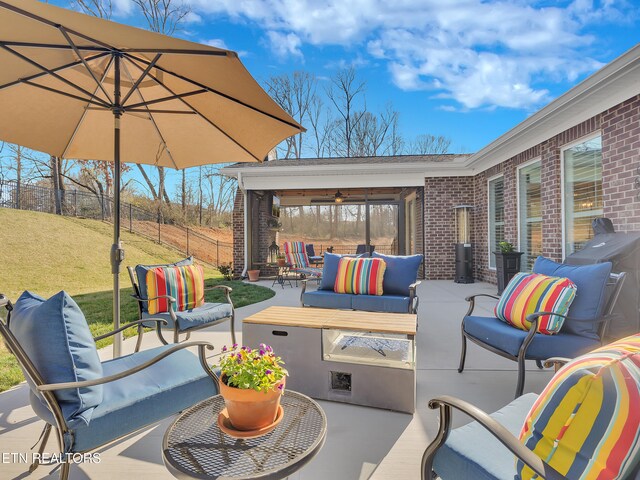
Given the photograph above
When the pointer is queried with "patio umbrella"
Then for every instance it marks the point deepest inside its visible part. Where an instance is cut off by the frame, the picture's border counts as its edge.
(76, 86)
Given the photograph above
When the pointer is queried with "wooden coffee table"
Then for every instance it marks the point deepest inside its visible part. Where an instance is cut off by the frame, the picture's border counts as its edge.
(364, 358)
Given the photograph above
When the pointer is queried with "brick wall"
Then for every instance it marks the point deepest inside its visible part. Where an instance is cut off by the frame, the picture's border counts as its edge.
(238, 233)
(441, 194)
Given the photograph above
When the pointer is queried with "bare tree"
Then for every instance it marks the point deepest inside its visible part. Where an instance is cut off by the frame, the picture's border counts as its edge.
(343, 94)
(163, 16)
(297, 95)
(97, 8)
(426, 144)
(372, 133)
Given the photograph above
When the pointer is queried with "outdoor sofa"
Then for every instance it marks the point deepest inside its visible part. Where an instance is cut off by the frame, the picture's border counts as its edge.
(399, 287)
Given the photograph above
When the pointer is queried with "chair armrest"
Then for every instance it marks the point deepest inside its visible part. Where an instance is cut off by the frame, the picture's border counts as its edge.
(128, 325)
(472, 301)
(219, 287)
(447, 403)
(111, 378)
(413, 297)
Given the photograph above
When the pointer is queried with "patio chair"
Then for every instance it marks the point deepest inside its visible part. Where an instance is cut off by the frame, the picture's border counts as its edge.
(584, 325)
(90, 403)
(583, 425)
(180, 321)
(295, 254)
(311, 253)
(362, 249)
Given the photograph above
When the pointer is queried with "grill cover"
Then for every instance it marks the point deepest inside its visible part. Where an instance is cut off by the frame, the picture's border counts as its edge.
(623, 251)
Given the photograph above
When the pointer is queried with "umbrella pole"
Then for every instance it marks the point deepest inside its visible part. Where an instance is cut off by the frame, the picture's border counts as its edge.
(117, 252)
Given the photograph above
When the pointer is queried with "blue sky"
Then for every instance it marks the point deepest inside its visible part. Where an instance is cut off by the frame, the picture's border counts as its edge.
(466, 69)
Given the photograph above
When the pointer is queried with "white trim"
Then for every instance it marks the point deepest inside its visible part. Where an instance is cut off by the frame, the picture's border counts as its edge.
(246, 236)
(520, 167)
(489, 180)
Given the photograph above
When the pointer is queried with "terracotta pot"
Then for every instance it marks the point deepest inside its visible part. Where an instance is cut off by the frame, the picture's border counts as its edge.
(253, 275)
(248, 409)
(282, 262)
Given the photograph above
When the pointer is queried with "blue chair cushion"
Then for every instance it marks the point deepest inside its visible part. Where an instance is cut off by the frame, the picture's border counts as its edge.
(401, 272)
(328, 299)
(464, 454)
(56, 337)
(197, 317)
(164, 389)
(509, 339)
(329, 271)
(141, 274)
(381, 303)
(591, 281)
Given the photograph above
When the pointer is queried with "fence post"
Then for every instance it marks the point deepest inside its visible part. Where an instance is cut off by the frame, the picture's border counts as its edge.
(217, 252)
(130, 218)
(187, 241)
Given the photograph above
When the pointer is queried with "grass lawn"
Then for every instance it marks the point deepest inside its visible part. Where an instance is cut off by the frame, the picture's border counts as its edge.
(48, 253)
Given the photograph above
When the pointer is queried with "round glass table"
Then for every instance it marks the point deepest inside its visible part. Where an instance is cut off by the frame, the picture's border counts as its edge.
(195, 447)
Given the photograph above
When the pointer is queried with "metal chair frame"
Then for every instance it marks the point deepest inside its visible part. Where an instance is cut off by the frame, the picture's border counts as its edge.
(614, 284)
(172, 301)
(47, 390)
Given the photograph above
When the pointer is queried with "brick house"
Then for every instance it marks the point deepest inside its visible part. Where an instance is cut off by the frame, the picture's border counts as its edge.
(538, 186)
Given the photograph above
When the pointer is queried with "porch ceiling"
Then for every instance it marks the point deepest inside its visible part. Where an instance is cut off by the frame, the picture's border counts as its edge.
(326, 195)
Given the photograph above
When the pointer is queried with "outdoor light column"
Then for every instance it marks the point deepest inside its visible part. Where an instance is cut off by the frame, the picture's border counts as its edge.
(117, 252)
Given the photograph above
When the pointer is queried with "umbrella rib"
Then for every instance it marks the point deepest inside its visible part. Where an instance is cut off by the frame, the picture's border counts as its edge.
(55, 46)
(166, 99)
(75, 130)
(216, 92)
(57, 69)
(148, 110)
(153, 122)
(200, 114)
(54, 74)
(139, 81)
(181, 51)
(84, 62)
(66, 94)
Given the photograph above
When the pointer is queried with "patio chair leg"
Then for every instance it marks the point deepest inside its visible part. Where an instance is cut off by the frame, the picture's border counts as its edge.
(139, 340)
(233, 329)
(463, 354)
(539, 364)
(520, 385)
(160, 336)
(176, 336)
(44, 437)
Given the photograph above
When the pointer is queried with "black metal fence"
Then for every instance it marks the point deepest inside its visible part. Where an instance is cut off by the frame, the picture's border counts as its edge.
(77, 203)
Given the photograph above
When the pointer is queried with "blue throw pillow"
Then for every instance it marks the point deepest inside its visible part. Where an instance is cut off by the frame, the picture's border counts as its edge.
(401, 272)
(329, 271)
(591, 281)
(56, 337)
(141, 273)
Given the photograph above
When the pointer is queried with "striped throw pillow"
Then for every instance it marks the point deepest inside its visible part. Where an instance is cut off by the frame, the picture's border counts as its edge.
(586, 422)
(360, 276)
(529, 293)
(185, 284)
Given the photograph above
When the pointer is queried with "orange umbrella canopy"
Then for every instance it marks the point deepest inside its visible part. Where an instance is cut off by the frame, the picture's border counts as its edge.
(182, 104)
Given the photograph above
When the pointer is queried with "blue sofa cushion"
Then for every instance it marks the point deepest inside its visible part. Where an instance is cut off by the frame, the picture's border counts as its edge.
(56, 337)
(464, 454)
(196, 317)
(171, 385)
(508, 339)
(141, 274)
(328, 299)
(591, 294)
(329, 271)
(381, 303)
(401, 272)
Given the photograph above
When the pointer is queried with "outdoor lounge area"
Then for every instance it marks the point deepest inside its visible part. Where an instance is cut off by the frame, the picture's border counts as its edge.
(381, 444)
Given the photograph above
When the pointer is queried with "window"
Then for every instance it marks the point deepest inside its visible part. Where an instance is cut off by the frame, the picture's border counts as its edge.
(529, 213)
(496, 217)
(582, 192)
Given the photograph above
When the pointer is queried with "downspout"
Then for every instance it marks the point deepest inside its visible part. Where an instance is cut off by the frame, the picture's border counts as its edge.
(246, 225)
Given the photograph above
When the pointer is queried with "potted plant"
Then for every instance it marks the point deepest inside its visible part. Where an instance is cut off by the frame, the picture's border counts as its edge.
(273, 224)
(253, 274)
(251, 383)
(281, 261)
(507, 264)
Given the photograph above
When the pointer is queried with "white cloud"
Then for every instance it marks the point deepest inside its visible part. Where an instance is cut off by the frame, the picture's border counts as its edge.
(285, 44)
(215, 42)
(478, 53)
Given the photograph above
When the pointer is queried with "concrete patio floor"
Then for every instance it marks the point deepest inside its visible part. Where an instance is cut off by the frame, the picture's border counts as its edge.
(361, 442)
